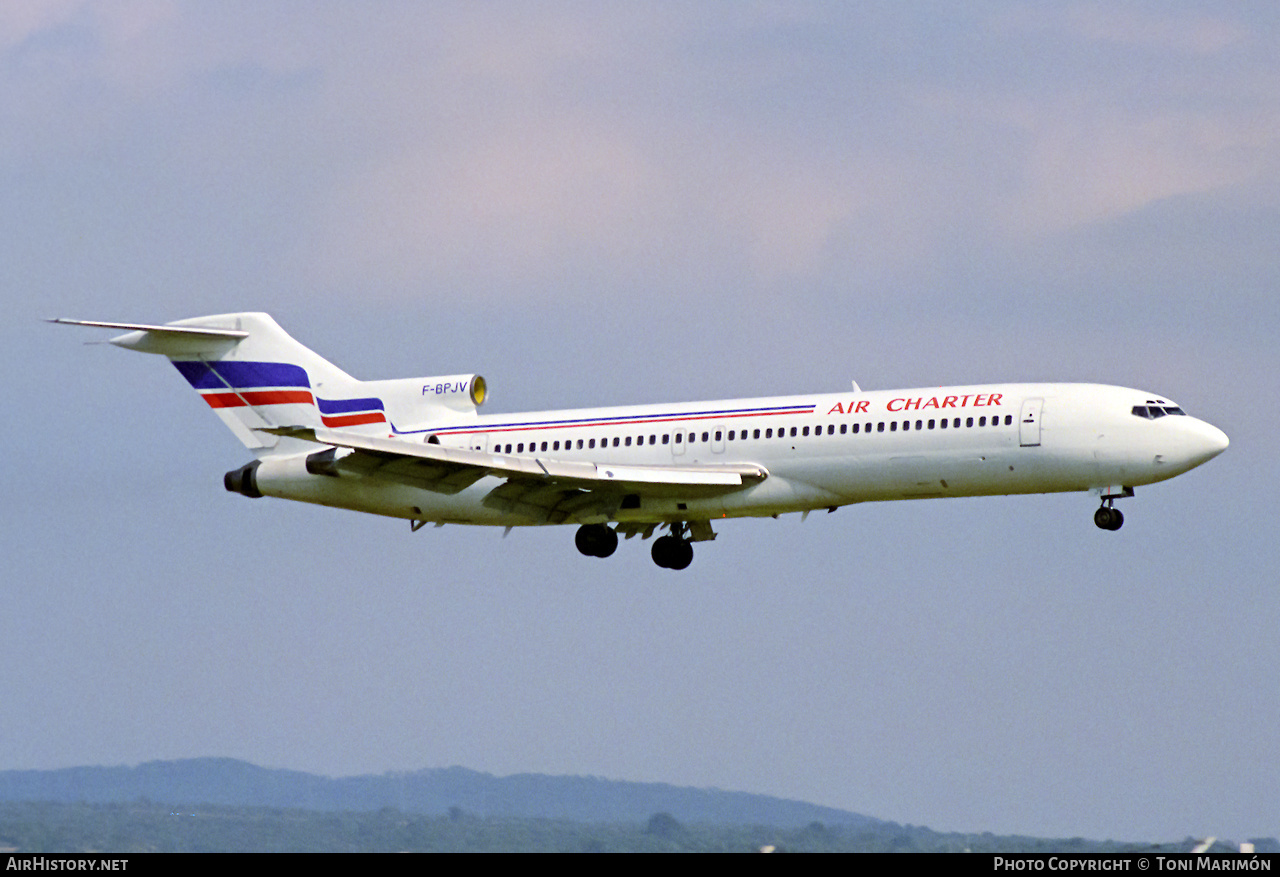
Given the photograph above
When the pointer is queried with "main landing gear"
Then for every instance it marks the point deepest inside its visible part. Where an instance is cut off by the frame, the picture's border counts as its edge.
(596, 540)
(672, 552)
(669, 552)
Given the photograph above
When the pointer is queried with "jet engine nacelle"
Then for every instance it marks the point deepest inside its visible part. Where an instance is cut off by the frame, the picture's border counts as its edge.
(305, 477)
(459, 392)
(413, 403)
(244, 480)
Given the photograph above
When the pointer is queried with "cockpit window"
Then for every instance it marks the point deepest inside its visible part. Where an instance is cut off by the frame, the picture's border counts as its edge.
(1151, 412)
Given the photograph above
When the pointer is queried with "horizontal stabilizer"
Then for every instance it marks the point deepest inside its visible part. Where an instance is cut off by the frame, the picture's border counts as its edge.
(144, 327)
(165, 340)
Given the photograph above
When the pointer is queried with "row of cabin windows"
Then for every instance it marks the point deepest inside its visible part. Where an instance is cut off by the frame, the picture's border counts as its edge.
(741, 434)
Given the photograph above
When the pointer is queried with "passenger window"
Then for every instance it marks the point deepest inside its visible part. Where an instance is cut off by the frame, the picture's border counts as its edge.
(906, 425)
(982, 421)
(844, 428)
(591, 443)
(627, 442)
(918, 424)
(805, 431)
(855, 429)
(793, 432)
(719, 433)
(755, 434)
(579, 444)
(880, 426)
(931, 424)
(544, 446)
(968, 422)
(555, 446)
(653, 439)
(666, 438)
(768, 433)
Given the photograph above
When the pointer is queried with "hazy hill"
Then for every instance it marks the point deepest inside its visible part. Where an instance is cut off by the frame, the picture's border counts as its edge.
(229, 782)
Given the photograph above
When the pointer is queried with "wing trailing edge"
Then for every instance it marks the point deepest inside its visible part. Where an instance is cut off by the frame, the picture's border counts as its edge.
(460, 466)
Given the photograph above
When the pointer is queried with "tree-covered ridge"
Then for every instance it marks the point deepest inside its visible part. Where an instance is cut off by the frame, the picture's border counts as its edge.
(229, 782)
(234, 806)
(145, 826)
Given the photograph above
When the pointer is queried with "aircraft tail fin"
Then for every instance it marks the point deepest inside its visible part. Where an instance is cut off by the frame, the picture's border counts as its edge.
(252, 374)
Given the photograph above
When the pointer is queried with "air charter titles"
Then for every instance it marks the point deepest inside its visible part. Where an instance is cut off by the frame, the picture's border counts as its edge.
(922, 403)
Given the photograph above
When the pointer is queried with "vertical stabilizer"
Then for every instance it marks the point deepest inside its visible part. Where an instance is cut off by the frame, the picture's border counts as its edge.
(252, 373)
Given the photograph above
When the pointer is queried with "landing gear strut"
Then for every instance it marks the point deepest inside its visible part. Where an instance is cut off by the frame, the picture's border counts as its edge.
(596, 540)
(1107, 517)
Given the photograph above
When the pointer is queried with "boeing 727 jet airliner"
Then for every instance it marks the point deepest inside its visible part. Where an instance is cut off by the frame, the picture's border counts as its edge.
(417, 448)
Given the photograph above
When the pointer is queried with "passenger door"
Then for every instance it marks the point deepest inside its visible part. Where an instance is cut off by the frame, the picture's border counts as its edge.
(1029, 423)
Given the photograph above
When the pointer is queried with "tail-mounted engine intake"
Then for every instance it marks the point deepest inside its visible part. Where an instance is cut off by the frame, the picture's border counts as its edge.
(459, 392)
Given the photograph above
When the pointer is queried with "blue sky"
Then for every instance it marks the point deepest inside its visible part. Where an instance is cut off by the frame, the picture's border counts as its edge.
(594, 205)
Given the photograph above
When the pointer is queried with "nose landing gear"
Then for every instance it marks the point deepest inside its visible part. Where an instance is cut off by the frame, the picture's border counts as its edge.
(1107, 517)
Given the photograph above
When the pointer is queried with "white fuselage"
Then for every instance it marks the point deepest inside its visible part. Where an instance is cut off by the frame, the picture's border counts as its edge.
(418, 448)
(820, 451)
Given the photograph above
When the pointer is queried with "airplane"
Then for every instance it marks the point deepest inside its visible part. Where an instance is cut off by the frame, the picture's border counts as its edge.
(418, 448)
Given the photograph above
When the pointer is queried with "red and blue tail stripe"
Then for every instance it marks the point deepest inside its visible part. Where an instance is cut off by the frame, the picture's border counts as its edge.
(239, 384)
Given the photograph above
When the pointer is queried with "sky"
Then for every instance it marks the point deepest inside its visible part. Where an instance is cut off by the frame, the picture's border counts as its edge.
(595, 204)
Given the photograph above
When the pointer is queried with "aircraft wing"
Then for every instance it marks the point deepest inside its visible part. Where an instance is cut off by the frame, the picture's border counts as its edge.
(544, 489)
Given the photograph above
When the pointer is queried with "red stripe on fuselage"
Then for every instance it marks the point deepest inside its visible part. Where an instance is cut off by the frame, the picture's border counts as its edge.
(354, 419)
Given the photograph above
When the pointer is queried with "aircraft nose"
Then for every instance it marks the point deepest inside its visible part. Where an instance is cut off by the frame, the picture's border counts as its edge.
(1205, 442)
